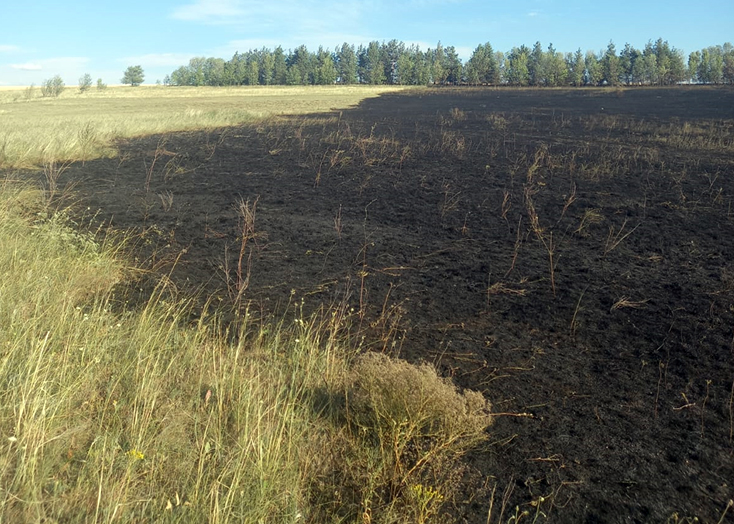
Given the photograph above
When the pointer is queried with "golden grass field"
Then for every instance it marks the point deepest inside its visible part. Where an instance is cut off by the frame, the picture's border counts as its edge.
(80, 126)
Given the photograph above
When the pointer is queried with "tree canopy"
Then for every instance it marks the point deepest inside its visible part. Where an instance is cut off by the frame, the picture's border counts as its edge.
(396, 63)
(133, 75)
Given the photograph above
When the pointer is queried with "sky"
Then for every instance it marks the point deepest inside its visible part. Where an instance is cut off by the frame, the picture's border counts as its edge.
(40, 39)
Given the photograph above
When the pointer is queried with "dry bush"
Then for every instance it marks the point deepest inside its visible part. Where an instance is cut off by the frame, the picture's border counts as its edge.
(385, 394)
(394, 451)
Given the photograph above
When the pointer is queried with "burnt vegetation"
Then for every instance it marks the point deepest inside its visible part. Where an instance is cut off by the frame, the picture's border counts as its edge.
(568, 253)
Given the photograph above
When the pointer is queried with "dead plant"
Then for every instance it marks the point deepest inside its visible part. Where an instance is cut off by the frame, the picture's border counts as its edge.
(570, 199)
(338, 222)
(238, 285)
(627, 302)
(614, 238)
(591, 216)
(546, 238)
(52, 171)
(166, 200)
(160, 151)
(451, 199)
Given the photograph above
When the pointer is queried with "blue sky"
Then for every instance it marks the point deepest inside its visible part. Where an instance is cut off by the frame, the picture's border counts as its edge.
(43, 38)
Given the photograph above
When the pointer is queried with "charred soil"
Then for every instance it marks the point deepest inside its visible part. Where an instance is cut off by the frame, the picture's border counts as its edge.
(570, 253)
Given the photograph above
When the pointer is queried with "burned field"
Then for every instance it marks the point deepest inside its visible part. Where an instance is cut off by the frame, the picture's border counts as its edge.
(570, 253)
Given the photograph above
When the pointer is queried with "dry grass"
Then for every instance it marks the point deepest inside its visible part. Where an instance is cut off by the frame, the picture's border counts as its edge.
(112, 415)
(35, 130)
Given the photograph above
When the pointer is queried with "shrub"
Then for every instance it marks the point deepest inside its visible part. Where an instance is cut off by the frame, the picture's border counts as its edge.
(85, 82)
(397, 439)
(52, 87)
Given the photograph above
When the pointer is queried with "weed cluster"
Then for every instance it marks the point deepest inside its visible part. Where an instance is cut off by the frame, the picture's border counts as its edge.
(398, 432)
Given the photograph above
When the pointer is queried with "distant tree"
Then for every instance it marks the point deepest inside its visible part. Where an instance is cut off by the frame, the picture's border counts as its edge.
(234, 70)
(267, 67)
(647, 68)
(482, 67)
(133, 75)
(452, 66)
(213, 72)
(711, 67)
(421, 67)
(594, 72)
(516, 70)
(536, 75)
(325, 71)
(576, 65)
(728, 65)
(662, 62)
(280, 67)
(694, 59)
(554, 68)
(438, 65)
(405, 68)
(610, 65)
(370, 67)
(85, 82)
(346, 64)
(300, 66)
(252, 71)
(677, 71)
(501, 66)
(627, 59)
(101, 86)
(389, 54)
(53, 87)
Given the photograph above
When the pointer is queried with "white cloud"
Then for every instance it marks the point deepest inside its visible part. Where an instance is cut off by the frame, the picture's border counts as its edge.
(209, 10)
(28, 66)
(428, 3)
(285, 16)
(465, 52)
(158, 60)
(35, 71)
(5, 48)
(533, 13)
(54, 65)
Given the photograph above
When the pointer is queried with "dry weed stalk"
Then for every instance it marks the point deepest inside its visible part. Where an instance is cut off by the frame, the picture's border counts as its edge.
(166, 200)
(506, 205)
(616, 238)
(159, 152)
(516, 250)
(338, 222)
(541, 157)
(451, 199)
(500, 288)
(545, 238)
(246, 212)
(52, 171)
(574, 319)
(703, 405)
(591, 216)
(626, 302)
(569, 200)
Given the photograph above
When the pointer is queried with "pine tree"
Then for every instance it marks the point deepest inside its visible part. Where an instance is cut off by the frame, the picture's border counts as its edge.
(133, 75)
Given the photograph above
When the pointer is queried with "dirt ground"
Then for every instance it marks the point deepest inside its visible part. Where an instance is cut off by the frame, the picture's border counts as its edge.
(568, 252)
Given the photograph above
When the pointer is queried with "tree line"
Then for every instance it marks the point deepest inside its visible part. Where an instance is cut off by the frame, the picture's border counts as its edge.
(395, 63)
